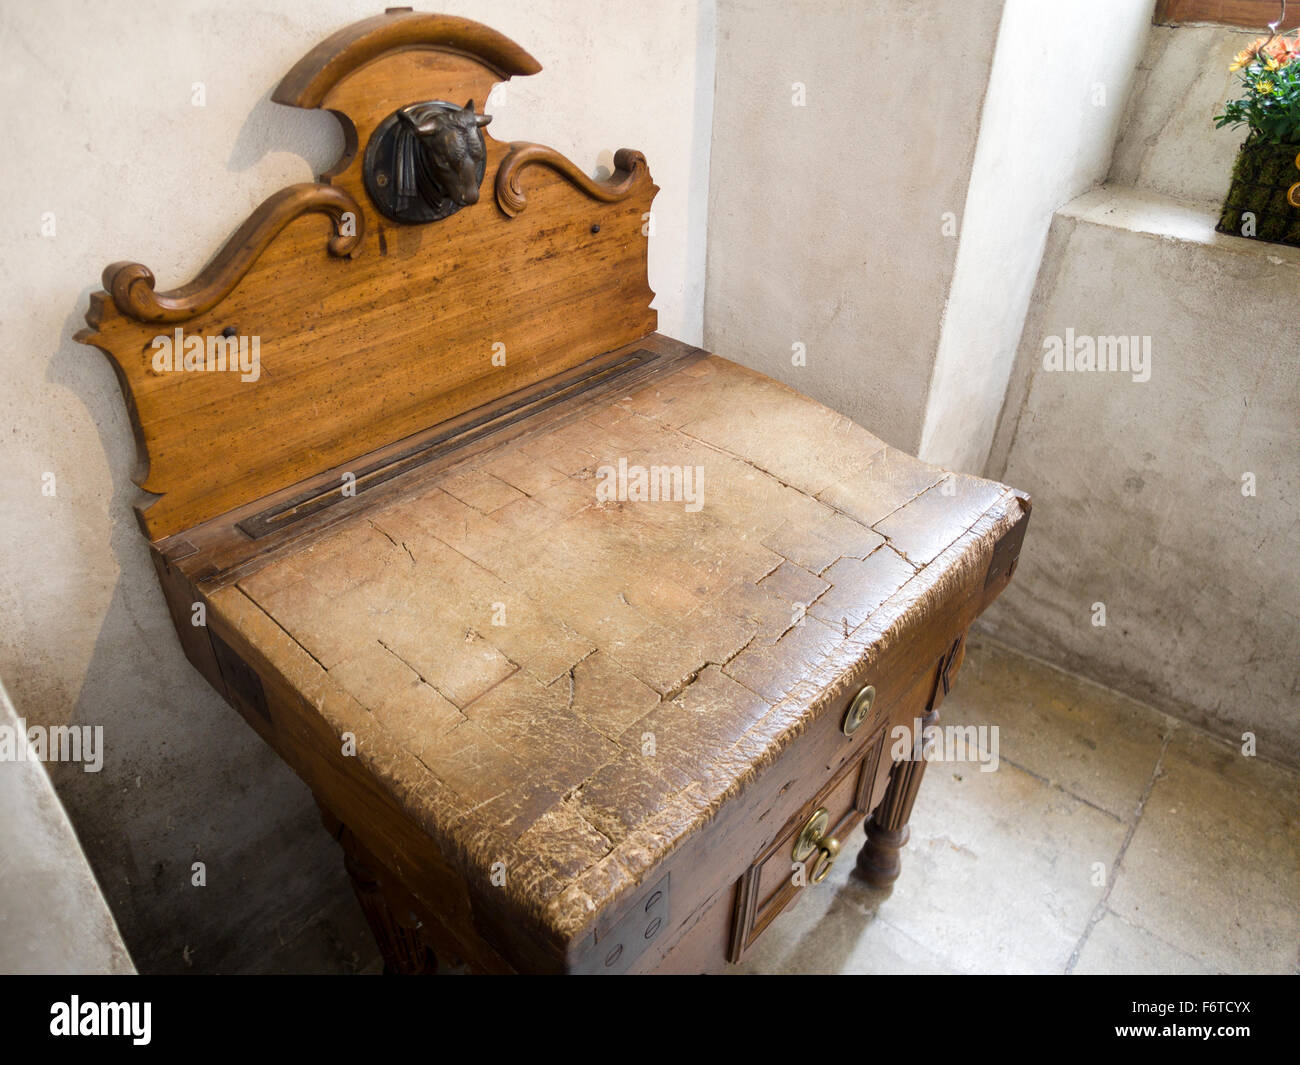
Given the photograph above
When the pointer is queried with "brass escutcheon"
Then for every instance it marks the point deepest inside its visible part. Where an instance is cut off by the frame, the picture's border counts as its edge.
(858, 710)
(812, 839)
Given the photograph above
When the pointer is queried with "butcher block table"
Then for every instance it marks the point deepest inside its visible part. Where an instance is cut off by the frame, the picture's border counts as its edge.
(589, 643)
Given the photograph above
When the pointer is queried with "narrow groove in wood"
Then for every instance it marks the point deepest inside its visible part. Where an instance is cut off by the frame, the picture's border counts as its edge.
(274, 518)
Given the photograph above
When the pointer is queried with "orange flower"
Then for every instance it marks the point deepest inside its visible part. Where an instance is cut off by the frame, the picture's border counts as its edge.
(1279, 51)
(1241, 59)
(1278, 48)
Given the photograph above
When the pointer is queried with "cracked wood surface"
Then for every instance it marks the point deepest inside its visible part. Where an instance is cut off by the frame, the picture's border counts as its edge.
(509, 646)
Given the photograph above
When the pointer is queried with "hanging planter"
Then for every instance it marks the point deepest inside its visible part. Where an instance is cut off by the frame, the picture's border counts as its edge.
(1263, 201)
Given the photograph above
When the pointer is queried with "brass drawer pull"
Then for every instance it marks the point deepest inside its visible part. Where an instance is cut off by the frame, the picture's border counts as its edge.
(812, 839)
(858, 710)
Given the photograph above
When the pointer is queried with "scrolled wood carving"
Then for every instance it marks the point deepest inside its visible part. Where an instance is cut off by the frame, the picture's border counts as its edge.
(630, 169)
(132, 285)
(342, 379)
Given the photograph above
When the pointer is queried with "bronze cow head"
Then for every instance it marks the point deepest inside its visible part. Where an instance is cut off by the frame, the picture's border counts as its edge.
(426, 161)
(449, 151)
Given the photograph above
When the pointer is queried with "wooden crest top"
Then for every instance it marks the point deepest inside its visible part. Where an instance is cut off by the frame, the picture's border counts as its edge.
(316, 73)
(346, 333)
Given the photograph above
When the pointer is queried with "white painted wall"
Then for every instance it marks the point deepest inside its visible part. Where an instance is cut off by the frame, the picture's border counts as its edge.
(100, 132)
(1061, 77)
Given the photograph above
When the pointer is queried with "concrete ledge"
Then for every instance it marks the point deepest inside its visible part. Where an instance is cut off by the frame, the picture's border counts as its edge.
(1142, 211)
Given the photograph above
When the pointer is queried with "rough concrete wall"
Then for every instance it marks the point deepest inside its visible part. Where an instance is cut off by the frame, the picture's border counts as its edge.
(1138, 487)
(103, 138)
(1046, 134)
(826, 220)
(1169, 143)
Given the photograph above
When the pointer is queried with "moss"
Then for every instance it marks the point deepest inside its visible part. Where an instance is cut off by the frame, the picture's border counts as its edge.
(1260, 179)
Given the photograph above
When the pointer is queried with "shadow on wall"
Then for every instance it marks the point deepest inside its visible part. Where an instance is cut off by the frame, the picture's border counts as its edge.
(270, 128)
(184, 779)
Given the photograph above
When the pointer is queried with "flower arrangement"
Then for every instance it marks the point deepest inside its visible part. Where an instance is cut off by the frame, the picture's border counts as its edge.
(1269, 71)
(1263, 200)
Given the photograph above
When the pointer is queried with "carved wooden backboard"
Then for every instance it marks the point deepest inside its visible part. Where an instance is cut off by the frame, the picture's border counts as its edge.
(369, 330)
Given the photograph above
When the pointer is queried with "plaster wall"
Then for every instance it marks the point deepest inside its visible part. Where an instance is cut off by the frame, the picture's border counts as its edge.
(1169, 144)
(839, 144)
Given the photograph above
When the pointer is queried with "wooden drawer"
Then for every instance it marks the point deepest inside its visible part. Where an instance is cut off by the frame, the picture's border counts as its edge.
(850, 792)
(776, 879)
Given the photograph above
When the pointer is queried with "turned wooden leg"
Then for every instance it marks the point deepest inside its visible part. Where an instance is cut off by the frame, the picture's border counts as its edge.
(404, 950)
(395, 928)
(878, 861)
